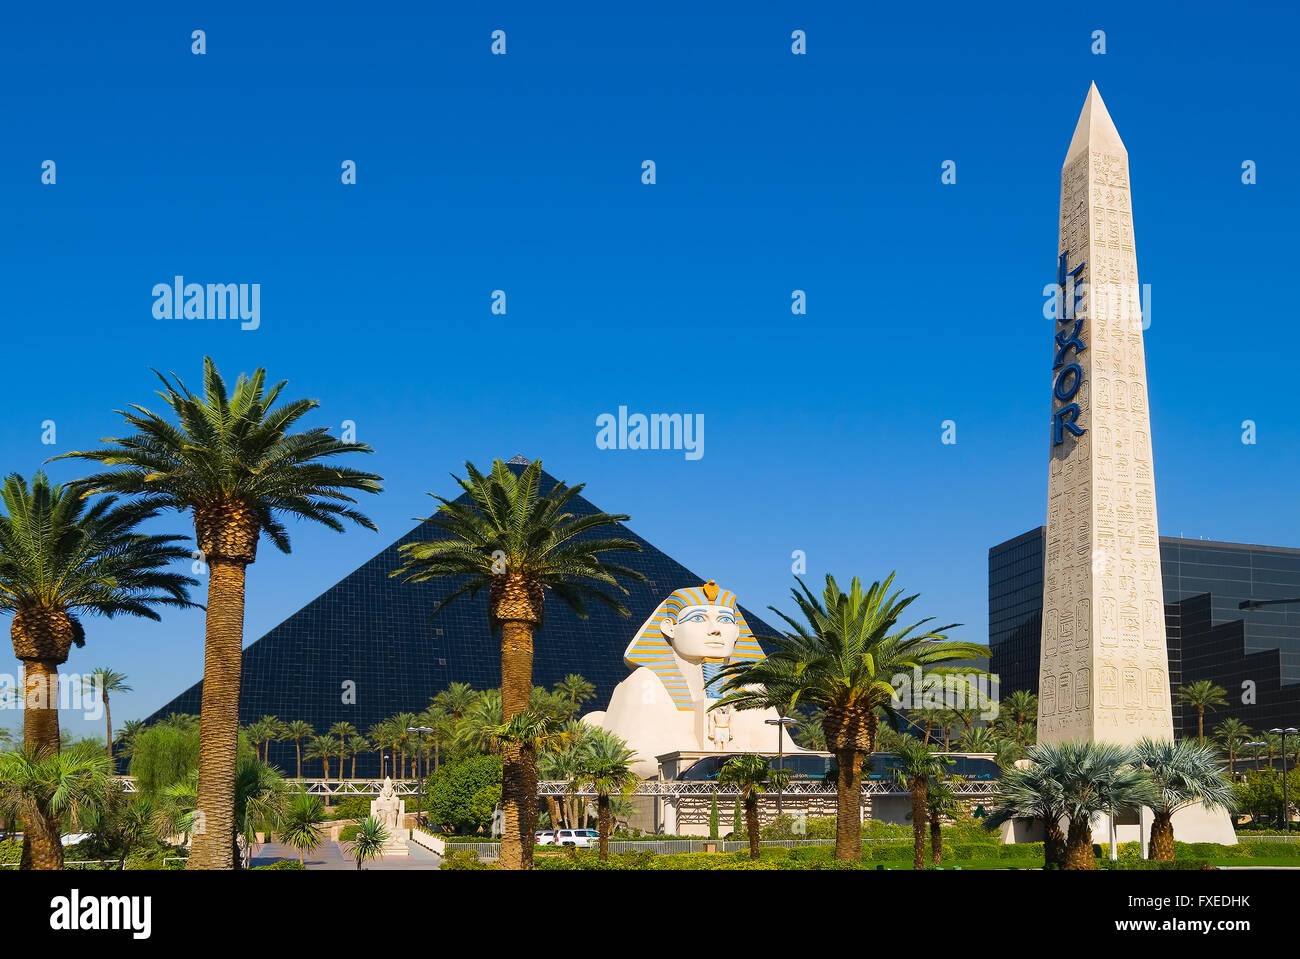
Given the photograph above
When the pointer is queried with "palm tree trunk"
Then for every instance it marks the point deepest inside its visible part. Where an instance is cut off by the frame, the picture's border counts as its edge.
(919, 817)
(1078, 846)
(848, 806)
(936, 839)
(45, 849)
(219, 716)
(751, 824)
(1162, 837)
(297, 745)
(354, 765)
(108, 721)
(519, 768)
(603, 824)
(42, 842)
(1200, 725)
(41, 704)
(553, 807)
(1054, 844)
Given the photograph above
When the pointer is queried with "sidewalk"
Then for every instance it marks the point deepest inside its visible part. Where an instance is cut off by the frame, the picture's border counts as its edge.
(331, 855)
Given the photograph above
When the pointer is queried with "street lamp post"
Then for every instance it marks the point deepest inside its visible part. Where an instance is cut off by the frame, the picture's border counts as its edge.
(420, 731)
(1286, 799)
(780, 724)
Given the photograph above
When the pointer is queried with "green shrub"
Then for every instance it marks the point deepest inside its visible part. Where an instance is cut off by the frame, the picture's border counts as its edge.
(348, 833)
(279, 864)
(466, 859)
(1272, 850)
(353, 807)
(462, 795)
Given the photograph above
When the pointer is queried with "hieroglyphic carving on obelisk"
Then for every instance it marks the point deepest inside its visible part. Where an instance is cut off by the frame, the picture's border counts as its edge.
(1104, 669)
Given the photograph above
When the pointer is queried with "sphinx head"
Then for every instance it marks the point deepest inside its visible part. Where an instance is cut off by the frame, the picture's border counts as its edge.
(701, 623)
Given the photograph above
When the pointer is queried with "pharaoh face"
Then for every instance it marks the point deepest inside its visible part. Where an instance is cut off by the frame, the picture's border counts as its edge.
(702, 632)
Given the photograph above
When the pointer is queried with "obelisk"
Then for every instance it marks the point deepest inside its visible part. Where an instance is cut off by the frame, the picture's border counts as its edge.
(1104, 670)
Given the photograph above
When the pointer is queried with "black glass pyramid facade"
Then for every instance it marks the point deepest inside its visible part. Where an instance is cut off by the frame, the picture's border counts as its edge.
(377, 632)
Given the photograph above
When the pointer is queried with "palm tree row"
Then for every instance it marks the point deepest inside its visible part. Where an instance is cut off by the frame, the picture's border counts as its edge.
(234, 463)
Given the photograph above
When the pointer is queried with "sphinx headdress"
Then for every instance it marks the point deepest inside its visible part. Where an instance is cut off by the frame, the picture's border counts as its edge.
(649, 647)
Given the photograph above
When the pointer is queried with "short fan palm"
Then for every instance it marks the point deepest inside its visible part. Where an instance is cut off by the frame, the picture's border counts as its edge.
(1186, 773)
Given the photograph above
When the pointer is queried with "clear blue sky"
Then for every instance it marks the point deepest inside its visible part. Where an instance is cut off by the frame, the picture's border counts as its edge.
(775, 172)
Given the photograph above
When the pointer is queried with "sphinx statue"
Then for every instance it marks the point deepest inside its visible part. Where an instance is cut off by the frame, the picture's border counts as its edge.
(676, 658)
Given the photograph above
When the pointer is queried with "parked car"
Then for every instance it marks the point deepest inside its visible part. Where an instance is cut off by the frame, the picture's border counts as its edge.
(577, 837)
(544, 837)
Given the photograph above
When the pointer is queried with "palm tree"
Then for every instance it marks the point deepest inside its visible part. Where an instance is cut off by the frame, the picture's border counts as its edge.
(343, 732)
(1185, 774)
(1232, 732)
(519, 543)
(810, 733)
(978, 740)
(929, 719)
(259, 733)
(1032, 792)
(261, 799)
(62, 558)
(42, 785)
(843, 660)
(435, 717)
(356, 746)
(1203, 695)
(1020, 707)
(384, 736)
(917, 767)
(6, 739)
(324, 748)
(606, 766)
(369, 841)
(126, 735)
(576, 690)
(106, 681)
(941, 802)
(456, 699)
(400, 723)
(1007, 752)
(233, 463)
(947, 719)
(752, 776)
(301, 830)
(1095, 779)
(298, 730)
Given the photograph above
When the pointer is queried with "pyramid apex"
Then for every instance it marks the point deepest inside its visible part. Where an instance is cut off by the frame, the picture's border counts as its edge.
(518, 460)
(1095, 130)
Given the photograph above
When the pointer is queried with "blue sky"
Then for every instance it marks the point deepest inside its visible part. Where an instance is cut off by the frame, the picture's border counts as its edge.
(775, 172)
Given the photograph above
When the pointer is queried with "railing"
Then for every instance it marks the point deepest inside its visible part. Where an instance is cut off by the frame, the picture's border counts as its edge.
(797, 787)
(435, 844)
(328, 787)
(664, 847)
(679, 787)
